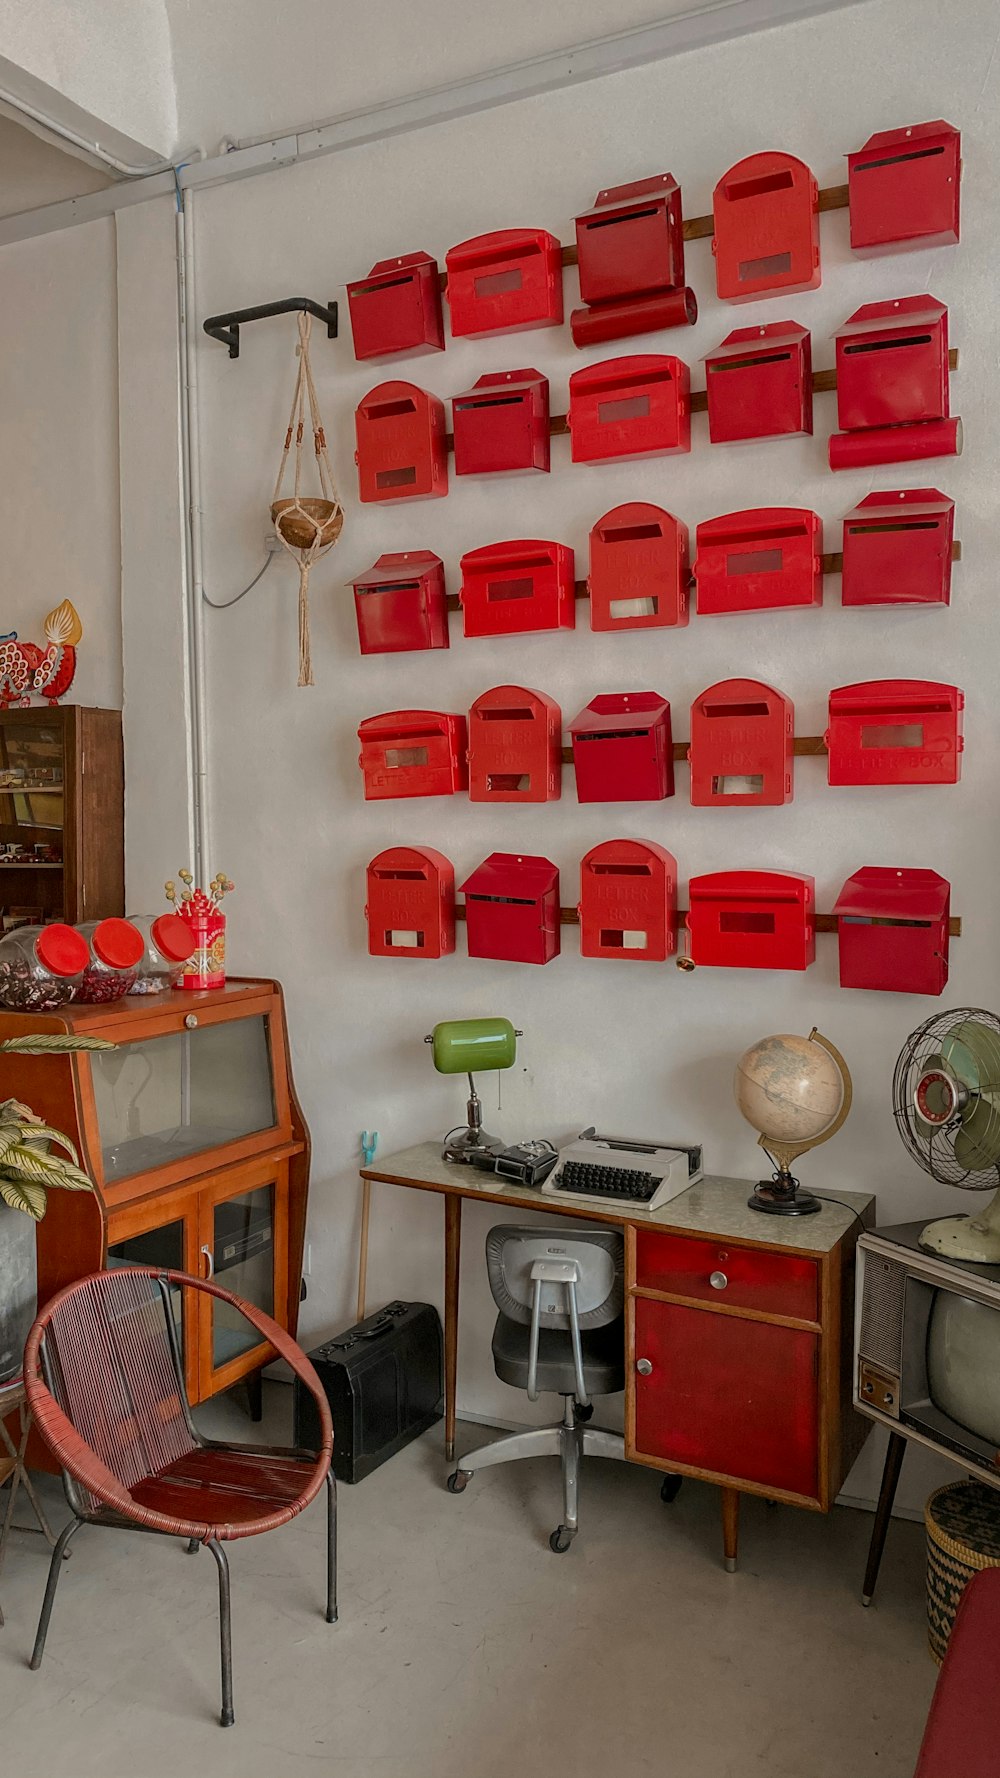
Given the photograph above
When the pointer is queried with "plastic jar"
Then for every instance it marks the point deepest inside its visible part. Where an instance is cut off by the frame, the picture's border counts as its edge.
(169, 943)
(41, 967)
(116, 951)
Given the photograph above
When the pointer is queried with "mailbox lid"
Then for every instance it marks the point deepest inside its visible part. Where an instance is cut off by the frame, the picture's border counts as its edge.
(892, 363)
(766, 223)
(509, 279)
(516, 586)
(397, 308)
(639, 569)
(604, 715)
(501, 424)
(515, 746)
(402, 449)
(898, 548)
(904, 187)
(895, 731)
(910, 957)
(628, 901)
(411, 903)
(742, 742)
(632, 242)
(532, 876)
(759, 383)
(401, 603)
(878, 892)
(752, 919)
(639, 406)
(765, 558)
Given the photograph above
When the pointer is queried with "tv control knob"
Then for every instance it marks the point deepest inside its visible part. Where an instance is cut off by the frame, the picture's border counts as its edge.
(718, 1280)
(868, 1389)
(191, 1021)
(887, 1399)
(644, 1366)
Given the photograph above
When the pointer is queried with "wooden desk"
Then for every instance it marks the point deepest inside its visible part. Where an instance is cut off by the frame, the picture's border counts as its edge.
(747, 1321)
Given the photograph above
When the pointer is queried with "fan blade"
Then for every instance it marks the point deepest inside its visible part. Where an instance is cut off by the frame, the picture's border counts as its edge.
(959, 1059)
(983, 1044)
(977, 1145)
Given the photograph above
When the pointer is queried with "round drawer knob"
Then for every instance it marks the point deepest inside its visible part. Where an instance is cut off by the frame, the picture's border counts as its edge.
(718, 1280)
(644, 1367)
(191, 1021)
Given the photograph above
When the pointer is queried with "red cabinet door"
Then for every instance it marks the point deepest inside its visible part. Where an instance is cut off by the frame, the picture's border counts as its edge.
(738, 1398)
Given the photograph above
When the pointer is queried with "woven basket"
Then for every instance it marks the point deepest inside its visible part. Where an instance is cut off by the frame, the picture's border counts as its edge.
(963, 1535)
(298, 521)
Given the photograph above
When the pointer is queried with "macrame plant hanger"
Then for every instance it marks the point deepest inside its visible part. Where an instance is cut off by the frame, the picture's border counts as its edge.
(307, 525)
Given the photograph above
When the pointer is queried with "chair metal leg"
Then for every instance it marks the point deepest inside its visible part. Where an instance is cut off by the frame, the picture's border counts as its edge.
(331, 1547)
(192, 1546)
(55, 1567)
(571, 1480)
(598, 1443)
(541, 1441)
(225, 1633)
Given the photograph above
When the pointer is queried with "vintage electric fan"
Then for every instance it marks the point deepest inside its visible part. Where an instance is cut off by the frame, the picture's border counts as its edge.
(946, 1098)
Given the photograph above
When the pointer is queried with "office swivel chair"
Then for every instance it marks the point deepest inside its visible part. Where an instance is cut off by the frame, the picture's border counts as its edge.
(561, 1295)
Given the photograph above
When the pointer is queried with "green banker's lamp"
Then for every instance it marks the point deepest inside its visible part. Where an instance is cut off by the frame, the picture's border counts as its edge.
(460, 1046)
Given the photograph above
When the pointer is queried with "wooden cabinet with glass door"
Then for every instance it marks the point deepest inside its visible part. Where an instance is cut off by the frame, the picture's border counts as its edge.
(193, 1136)
(62, 815)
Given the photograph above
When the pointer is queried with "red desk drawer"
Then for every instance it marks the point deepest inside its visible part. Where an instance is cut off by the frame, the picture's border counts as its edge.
(744, 1277)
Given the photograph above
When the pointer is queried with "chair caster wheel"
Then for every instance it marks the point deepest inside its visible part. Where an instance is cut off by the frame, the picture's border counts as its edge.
(670, 1487)
(560, 1540)
(459, 1480)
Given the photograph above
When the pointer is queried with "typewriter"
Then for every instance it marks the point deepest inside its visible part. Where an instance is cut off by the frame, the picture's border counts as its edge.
(616, 1170)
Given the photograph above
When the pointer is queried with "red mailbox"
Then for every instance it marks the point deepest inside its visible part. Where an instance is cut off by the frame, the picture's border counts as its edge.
(413, 753)
(766, 218)
(892, 385)
(752, 919)
(892, 927)
(741, 746)
(504, 281)
(411, 903)
(766, 559)
(622, 749)
(502, 423)
(897, 549)
(903, 187)
(639, 569)
(397, 308)
(512, 909)
(630, 407)
(895, 731)
(759, 383)
(628, 901)
(401, 604)
(630, 253)
(402, 449)
(523, 584)
(515, 747)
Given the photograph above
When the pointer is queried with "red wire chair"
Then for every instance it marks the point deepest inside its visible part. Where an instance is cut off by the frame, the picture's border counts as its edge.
(105, 1382)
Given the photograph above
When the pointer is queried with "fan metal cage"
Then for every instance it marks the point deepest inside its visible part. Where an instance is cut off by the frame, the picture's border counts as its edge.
(964, 1148)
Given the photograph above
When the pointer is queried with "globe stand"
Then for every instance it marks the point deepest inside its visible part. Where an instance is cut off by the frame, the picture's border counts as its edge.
(780, 1196)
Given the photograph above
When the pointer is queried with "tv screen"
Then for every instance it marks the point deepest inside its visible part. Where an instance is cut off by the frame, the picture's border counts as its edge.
(963, 1363)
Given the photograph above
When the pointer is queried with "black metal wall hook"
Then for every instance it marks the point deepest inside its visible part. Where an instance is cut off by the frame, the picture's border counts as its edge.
(226, 328)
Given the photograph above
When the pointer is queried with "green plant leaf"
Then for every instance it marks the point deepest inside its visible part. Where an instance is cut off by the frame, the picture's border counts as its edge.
(26, 1195)
(40, 1043)
(23, 1163)
(41, 1133)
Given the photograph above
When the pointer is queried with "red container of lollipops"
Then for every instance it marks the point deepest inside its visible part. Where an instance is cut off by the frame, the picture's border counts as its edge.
(202, 913)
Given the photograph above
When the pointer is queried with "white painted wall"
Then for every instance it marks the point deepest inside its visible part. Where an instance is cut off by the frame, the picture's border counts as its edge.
(630, 1047)
(59, 511)
(109, 58)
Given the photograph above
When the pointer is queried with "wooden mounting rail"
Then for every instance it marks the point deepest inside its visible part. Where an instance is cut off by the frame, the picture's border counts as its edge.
(822, 922)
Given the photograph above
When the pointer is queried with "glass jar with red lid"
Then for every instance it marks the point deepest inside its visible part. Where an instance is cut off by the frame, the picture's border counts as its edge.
(169, 943)
(116, 951)
(41, 967)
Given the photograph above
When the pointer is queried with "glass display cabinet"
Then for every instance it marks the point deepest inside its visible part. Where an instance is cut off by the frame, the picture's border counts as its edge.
(62, 803)
(192, 1134)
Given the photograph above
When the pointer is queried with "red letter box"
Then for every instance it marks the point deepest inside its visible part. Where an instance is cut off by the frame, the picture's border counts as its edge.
(892, 385)
(630, 252)
(400, 604)
(515, 747)
(402, 449)
(892, 926)
(895, 731)
(397, 308)
(622, 749)
(897, 549)
(628, 901)
(411, 903)
(512, 909)
(763, 560)
(760, 383)
(523, 584)
(903, 187)
(502, 423)
(766, 214)
(741, 745)
(504, 281)
(752, 919)
(639, 569)
(630, 407)
(413, 753)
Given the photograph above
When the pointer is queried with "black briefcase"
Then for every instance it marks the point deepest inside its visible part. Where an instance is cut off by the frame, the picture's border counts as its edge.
(384, 1380)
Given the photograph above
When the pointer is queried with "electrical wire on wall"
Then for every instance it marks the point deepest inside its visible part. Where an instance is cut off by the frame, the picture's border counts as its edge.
(225, 604)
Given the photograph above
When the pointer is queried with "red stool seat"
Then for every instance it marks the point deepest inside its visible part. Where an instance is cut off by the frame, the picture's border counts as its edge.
(962, 1736)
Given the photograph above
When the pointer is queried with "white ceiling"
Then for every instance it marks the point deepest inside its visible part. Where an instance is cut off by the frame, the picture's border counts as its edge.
(33, 172)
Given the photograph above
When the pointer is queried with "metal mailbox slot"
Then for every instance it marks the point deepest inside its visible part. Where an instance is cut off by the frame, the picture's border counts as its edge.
(501, 424)
(622, 749)
(630, 407)
(517, 586)
(507, 280)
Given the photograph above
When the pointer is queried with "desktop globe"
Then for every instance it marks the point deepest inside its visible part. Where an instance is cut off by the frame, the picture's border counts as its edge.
(795, 1092)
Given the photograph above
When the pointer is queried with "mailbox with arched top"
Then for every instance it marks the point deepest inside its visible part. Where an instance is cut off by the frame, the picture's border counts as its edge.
(741, 748)
(402, 439)
(410, 907)
(766, 221)
(628, 901)
(639, 569)
(515, 747)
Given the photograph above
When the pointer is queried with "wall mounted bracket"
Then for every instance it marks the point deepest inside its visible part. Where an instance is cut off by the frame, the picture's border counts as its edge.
(226, 328)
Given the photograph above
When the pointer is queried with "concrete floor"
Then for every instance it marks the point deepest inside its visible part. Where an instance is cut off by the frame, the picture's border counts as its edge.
(465, 1649)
